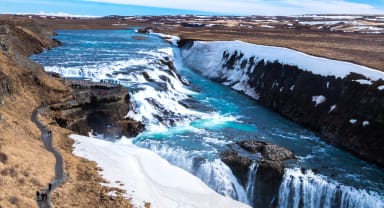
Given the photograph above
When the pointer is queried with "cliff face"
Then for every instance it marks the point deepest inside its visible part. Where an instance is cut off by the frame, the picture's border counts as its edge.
(347, 111)
(96, 107)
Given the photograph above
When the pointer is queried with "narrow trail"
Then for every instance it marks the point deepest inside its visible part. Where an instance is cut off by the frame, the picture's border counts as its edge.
(46, 137)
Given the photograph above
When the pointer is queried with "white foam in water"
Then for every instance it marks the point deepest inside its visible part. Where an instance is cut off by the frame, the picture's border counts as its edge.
(216, 141)
(309, 190)
(150, 103)
(96, 71)
(147, 177)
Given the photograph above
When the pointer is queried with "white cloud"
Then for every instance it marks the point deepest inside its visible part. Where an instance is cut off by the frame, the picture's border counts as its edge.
(259, 7)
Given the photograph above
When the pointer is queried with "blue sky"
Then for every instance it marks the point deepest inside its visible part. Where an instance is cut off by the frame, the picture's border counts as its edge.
(202, 7)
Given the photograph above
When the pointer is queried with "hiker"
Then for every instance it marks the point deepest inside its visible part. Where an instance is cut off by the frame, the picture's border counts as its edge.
(37, 195)
(49, 186)
(45, 196)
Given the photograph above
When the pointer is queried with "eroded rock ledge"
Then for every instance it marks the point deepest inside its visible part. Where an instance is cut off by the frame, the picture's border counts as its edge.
(270, 160)
(98, 108)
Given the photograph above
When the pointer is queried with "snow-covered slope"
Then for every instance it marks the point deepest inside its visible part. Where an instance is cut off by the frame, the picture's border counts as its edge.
(149, 178)
(208, 56)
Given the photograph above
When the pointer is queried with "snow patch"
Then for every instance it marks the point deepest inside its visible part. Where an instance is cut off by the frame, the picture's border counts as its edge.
(363, 81)
(352, 121)
(380, 87)
(365, 123)
(320, 22)
(318, 99)
(148, 177)
(333, 107)
(207, 57)
(170, 38)
(267, 26)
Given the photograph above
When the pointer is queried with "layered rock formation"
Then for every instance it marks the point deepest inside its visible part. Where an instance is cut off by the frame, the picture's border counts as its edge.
(347, 111)
(269, 173)
(98, 108)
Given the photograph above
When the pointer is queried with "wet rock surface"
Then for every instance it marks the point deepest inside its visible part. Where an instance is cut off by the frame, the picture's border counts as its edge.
(267, 150)
(97, 108)
(270, 159)
(238, 164)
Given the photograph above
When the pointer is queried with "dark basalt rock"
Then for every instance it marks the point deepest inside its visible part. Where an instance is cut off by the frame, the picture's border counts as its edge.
(145, 30)
(269, 173)
(268, 179)
(268, 151)
(97, 108)
(238, 164)
(168, 63)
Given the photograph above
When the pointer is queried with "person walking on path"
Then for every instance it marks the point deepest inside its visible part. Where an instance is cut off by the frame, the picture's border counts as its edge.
(46, 137)
(37, 195)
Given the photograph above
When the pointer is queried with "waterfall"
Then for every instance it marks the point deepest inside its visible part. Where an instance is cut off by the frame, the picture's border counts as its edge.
(308, 190)
(214, 173)
(251, 182)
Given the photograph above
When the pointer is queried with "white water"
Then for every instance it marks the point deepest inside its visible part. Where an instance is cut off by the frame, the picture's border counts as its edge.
(191, 138)
(251, 181)
(309, 190)
(213, 172)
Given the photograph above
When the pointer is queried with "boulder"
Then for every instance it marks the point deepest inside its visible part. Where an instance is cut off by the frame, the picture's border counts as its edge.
(238, 164)
(268, 179)
(145, 30)
(268, 151)
(269, 173)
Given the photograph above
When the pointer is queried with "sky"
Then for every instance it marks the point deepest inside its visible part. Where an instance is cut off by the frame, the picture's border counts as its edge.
(197, 7)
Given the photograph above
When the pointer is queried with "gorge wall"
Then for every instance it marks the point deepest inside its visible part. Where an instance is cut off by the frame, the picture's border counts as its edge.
(344, 102)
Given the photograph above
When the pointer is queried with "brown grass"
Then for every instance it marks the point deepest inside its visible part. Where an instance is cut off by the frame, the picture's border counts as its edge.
(28, 166)
(364, 49)
(83, 187)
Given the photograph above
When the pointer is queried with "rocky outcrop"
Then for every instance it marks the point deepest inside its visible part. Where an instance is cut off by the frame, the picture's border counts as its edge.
(238, 164)
(267, 150)
(270, 159)
(145, 30)
(97, 108)
(5, 86)
(25, 37)
(347, 112)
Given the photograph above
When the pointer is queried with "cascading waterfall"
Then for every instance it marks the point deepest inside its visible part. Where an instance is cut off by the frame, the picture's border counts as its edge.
(251, 182)
(308, 190)
(213, 172)
(190, 125)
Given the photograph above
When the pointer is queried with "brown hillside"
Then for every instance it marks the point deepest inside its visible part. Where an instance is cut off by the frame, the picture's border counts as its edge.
(25, 165)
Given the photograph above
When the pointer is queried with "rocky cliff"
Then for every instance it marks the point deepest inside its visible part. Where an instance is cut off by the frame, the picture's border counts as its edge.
(263, 189)
(347, 111)
(98, 108)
